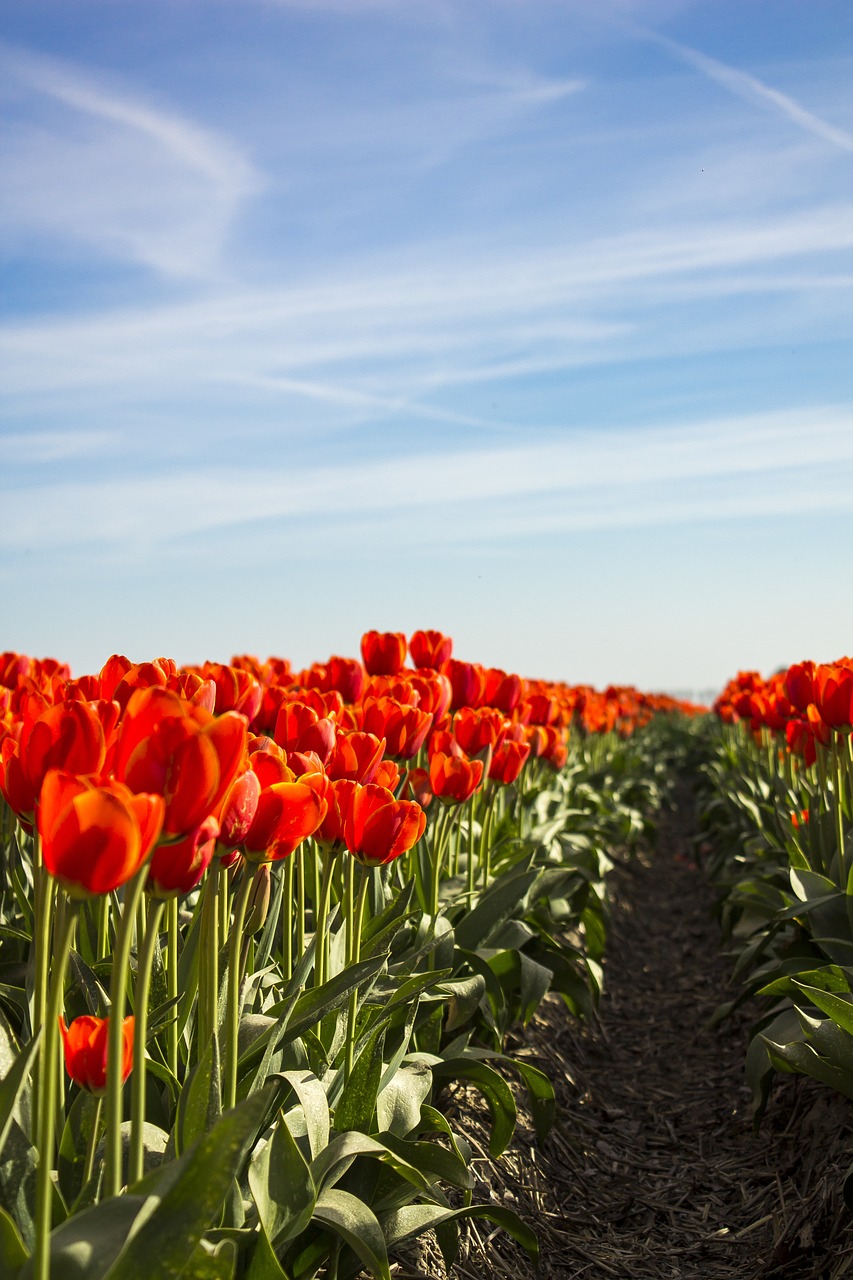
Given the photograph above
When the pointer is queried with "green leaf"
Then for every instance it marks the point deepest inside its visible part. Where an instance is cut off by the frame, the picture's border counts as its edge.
(200, 1102)
(165, 1242)
(85, 1246)
(839, 1009)
(463, 997)
(282, 1187)
(315, 1106)
(13, 1254)
(501, 901)
(212, 1262)
(14, 1084)
(402, 1225)
(398, 1104)
(358, 1100)
(494, 1089)
(349, 1218)
(264, 1264)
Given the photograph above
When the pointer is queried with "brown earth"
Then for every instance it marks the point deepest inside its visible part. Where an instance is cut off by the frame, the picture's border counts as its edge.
(653, 1170)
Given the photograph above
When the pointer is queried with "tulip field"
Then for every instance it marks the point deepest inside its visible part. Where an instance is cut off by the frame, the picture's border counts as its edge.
(254, 922)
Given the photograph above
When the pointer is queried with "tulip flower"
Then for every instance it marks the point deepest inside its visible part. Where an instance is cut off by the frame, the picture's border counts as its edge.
(287, 813)
(95, 836)
(68, 736)
(379, 828)
(833, 694)
(384, 652)
(347, 676)
(171, 748)
(476, 730)
(403, 728)
(468, 681)
(430, 648)
(508, 761)
(85, 1045)
(356, 756)
(179, 866)
(454, 779)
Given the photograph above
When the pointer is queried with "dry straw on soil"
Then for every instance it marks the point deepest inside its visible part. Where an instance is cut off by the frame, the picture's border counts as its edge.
(653, 1170)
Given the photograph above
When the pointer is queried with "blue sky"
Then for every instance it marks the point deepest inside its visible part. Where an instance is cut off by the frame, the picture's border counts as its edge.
(528, 321)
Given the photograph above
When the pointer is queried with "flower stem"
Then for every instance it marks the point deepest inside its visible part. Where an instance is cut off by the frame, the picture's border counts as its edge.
(48, 1088)
(140, 1036)
(232, 1014)
(118, 990)
(355, 923)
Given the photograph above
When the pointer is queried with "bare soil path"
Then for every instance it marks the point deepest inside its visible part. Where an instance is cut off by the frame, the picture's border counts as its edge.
(653, 1170)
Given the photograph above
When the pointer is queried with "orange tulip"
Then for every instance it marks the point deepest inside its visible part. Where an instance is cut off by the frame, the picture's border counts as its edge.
(85, 1046)
(70, 735)
(179, 751)
(403, 728)
(378, 828)
(384, 652)
(508, 761)
(430, 648)
(179, 866)
(95, 836)
(454, 779)
(287, 813)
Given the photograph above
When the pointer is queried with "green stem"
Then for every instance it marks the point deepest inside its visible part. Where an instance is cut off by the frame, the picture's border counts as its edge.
(321, 940)
(232, 1012)
(92, 1143)
(140, 1037)
(355, 924)
(208, 1002)
(287, 919)
(48, 1084)
(172, 983)
(118, 991)
(45, 896)
(299, 855)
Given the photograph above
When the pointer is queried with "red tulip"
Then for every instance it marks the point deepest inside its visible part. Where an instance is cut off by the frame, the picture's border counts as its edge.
(799, 684)
(833, 694)
(508, 761)
(468, 681)
(430, 648)
(384, 652)
(68, 736)
(95, 836)
(85, 1045)
(347, 676)
(476, 730)
(287, 813)
(171, 748)
(378, 828)
(179, 866)
(357, 756)
(454, 779)
(403, 728)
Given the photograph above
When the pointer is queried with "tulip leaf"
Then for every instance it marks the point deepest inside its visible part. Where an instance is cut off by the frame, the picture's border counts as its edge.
(315, 1106)
(165, 1242)
(398, 1103)
(86, 1245)
(83, 1114)
(494, 1089)
(282, 1187)
(13, 1086)
(357, 1225)
(264, 1264)
(200, 1102)
(498, 904)
(839, 1009)
(403, 1225)
(358, 1100)
(13, 1254)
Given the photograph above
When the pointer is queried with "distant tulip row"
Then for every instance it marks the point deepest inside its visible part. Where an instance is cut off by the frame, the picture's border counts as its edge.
(778, 812)
(148, 782)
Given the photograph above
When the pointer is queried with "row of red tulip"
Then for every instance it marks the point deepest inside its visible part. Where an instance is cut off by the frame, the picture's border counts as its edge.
(806, 702)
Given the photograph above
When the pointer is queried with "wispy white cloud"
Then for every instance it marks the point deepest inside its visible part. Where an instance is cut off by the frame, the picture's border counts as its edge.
(88, 163)
(597, 479)
(752, 89)
(377, 342)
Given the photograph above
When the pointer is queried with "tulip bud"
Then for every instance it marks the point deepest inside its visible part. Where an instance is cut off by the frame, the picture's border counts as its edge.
(259, 899)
